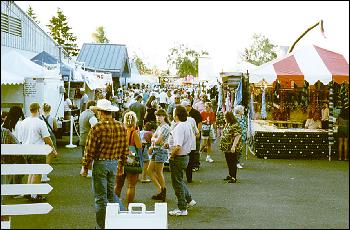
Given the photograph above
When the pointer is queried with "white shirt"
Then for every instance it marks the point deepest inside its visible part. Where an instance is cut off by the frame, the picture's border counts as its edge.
(181, 136)
(163, 97)
(33, 131)
(192, 122)
(67, 104)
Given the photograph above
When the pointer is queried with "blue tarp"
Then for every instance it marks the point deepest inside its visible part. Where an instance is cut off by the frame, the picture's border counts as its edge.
(46, 58)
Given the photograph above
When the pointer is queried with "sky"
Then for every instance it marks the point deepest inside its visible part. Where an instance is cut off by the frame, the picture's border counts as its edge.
(223, 29)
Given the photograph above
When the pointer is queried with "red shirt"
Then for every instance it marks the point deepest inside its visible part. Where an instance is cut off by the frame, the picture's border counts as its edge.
(211, 115)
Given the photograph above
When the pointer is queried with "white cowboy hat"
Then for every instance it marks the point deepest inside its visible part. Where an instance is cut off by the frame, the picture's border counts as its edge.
(105, 105)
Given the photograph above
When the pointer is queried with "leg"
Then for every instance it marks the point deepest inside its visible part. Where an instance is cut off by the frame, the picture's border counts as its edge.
(99, 185)
(177, 166)
(151, 172)
(119, 183)
(130, 194)
(144, 172)
(111, 178)
(190, 166)
(340, 147)
(346, 148)
(231, 163)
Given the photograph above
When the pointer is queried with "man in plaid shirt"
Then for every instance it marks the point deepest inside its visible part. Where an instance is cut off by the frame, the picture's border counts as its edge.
(105, 145)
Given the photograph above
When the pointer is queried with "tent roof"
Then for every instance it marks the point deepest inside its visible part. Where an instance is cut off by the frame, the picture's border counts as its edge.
(46, 58)
(15, 68)
(310, 63)
(104, 57)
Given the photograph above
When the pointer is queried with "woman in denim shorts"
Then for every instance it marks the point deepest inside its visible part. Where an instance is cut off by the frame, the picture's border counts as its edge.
(159, 154)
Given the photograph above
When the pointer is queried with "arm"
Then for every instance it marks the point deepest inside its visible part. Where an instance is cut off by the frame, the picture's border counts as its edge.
(235, 141)
(137, 139)
(48, 141)
(54, 124)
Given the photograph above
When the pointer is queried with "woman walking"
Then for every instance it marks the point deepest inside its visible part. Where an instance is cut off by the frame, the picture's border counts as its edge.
(133, 138)
(208, 127)
(231, 145)
(159, 154)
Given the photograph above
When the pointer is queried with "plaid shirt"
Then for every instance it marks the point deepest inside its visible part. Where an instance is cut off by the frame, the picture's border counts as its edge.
(164, 132)
(106, 140)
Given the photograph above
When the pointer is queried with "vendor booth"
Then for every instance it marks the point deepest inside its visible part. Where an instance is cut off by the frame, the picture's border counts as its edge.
(24, 82)
(283, 91)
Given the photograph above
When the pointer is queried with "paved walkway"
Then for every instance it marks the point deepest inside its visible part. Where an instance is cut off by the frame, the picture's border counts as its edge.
(272, 193)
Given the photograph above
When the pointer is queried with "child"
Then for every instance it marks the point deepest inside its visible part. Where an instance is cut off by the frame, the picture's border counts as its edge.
(146, 135)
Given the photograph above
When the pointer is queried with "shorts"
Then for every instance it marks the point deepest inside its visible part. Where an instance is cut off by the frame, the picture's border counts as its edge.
(36, 159)
(145, 155)
(159, 155)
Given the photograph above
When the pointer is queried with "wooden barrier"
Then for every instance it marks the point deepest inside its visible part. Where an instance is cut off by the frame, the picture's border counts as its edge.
(136, 219)
(18, 189)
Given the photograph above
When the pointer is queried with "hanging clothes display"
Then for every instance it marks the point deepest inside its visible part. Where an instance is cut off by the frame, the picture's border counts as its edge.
(251, 115)
(220, 100)
(238, 95)
(263, 104)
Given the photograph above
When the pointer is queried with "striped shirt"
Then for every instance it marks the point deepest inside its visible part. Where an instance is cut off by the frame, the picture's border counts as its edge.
(107, 140)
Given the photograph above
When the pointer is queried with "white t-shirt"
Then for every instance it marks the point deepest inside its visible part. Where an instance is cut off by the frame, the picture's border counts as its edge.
(67, 104)
(163, 98)
(181, 135)
(192, 122)
(33, 130)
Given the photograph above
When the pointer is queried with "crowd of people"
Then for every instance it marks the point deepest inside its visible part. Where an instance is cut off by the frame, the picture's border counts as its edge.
(148, 126)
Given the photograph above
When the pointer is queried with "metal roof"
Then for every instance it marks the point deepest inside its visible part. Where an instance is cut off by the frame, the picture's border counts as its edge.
(104, 57)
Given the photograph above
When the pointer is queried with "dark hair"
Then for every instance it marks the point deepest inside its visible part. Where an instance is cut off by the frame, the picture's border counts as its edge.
(149, 101)
(147, 126)
(230, 118)
(90, 103)
(13, 116)
(162, 112)
(181, 113)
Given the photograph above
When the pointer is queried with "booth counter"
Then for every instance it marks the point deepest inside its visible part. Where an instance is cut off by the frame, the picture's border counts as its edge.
(273, 142)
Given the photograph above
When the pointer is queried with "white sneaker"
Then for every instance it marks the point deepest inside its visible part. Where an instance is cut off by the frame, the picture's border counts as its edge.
(89, 173)
(191, 204)
(178, 212)
(209, 159)
(239, 166)
(44, 178)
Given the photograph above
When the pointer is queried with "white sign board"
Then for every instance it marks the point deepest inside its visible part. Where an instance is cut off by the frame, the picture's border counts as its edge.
(140, 219)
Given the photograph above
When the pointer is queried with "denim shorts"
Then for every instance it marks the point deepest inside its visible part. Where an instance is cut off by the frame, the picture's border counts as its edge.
(145, 156)
(159, 155)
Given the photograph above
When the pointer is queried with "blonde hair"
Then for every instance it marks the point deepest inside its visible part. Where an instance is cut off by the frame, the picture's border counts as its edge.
(130, 119)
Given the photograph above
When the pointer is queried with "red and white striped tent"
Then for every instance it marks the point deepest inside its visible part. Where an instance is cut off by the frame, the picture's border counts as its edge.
(310, 63)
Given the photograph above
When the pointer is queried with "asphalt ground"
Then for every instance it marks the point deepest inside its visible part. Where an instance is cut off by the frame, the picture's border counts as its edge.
(269, 194)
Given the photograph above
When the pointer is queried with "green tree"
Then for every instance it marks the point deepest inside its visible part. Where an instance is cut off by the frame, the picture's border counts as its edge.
(185, 60)
(31, 14)
(100, 36)
(140, 65)
(60, 32)
(260, 51)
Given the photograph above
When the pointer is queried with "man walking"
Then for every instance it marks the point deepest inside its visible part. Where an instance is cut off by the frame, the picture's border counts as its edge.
(87, 119)
(139, 109)
(106, 144)
(34, 131)
(180, 143)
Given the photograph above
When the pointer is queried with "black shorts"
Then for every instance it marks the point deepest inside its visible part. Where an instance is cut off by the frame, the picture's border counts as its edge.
(36, 159)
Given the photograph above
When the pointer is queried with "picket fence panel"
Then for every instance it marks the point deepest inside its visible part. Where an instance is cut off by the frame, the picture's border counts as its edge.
(17, 189)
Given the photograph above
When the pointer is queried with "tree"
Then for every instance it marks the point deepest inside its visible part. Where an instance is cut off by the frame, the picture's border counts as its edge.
(141, 67)
(60, 32)
(99, 36)
(31, 14)
(185, 60)
(260, 52)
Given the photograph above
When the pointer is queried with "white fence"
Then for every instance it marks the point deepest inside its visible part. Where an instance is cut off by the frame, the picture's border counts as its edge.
(18, 189)
(137, 217)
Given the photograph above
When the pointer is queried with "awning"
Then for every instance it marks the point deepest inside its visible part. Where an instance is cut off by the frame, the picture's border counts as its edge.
(311, 63)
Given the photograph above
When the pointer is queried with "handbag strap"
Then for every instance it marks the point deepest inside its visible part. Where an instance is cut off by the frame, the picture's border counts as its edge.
(131, 137)
(47, 123)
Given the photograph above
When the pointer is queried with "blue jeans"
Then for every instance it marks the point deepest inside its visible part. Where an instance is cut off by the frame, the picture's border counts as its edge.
(177, 166)
(103, 179)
